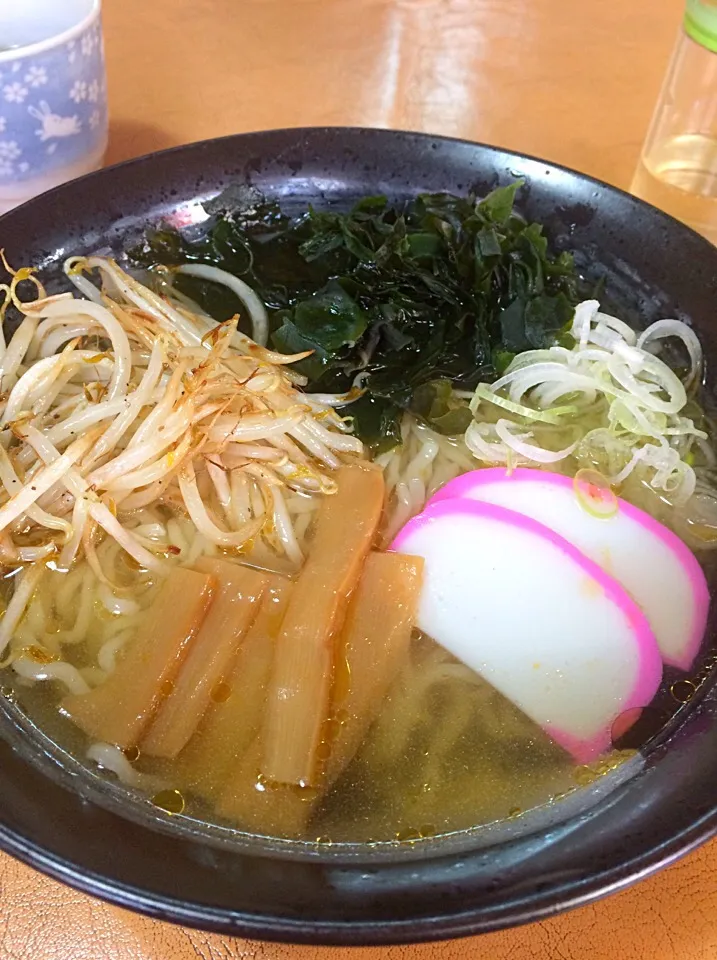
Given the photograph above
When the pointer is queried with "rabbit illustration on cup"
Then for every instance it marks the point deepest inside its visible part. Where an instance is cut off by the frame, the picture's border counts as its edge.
(53, 125)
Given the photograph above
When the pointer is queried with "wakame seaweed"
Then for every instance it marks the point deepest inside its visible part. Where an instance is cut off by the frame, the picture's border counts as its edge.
(411, 299)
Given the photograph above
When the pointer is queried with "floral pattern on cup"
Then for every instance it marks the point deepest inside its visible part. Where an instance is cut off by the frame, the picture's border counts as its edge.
(53, 107)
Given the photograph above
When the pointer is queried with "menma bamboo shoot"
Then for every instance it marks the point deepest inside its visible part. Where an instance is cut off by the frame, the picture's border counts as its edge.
(234, 608)
(119, 710)
(231, 723)
(298, 696)
(373, 646)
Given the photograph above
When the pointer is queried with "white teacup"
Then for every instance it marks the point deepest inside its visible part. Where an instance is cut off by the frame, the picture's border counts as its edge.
(53, 95)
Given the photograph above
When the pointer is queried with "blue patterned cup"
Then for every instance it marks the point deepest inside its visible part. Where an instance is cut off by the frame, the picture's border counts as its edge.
(53, 95)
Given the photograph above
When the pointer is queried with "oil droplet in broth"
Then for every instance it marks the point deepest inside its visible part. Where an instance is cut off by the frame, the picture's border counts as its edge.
(302, 792)
(634, 727)
(221, 692)
(39, 654)
(132, 753)
(166, 688)
(584, 776)
(683, 690)
(171, 801)
(408, 834)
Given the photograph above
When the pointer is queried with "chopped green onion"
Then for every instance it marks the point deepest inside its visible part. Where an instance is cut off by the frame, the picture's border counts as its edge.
(594, 494)
(554, 415)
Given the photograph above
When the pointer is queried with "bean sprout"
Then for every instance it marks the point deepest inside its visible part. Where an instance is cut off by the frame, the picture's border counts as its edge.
(118, 402)
(254, 306)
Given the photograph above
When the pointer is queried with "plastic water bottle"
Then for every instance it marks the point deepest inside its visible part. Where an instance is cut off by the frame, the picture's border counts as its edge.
(678, 165)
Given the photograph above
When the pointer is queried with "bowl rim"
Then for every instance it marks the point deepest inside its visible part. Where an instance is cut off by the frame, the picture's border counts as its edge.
(399, 932)
(355, 130)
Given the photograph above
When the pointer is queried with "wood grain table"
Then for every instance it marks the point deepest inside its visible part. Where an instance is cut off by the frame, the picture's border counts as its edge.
(570, 80)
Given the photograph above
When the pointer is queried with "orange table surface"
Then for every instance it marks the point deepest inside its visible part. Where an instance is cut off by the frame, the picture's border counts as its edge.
(574, 82)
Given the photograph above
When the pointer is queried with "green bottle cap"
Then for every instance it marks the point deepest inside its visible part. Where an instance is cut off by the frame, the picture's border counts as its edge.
(700, 22)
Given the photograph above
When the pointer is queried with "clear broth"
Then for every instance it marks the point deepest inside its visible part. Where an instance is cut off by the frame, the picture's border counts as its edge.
(447, 753)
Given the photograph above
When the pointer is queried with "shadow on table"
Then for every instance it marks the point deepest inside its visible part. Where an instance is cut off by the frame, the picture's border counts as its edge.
(132, 138)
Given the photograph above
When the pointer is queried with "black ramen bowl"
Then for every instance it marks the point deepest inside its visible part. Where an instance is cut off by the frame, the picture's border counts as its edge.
(89, 833)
